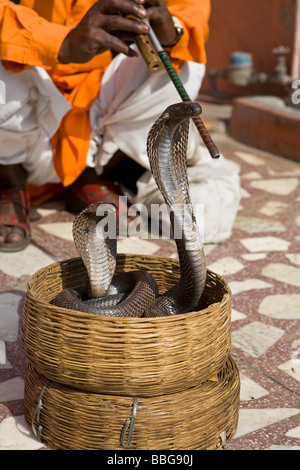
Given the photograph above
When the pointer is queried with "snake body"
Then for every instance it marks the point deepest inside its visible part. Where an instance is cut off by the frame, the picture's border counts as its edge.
(167, 150)
(123, 295)
(135, 293)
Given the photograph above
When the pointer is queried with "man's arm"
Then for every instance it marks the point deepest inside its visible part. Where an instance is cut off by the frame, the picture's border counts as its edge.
(194, 16)
(104, 27)
(26, 39)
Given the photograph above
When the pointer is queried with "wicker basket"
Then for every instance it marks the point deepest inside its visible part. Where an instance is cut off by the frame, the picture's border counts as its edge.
(125, 356)
(203, 417)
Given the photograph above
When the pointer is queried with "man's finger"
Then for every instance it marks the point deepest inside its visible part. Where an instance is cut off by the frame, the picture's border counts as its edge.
(119, 23)
(108, 41)
(154, 14)
(127, 7)
(155, 3)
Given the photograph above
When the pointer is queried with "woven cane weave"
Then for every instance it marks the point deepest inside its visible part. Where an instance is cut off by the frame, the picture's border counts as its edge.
(125, 356)
(203, 417)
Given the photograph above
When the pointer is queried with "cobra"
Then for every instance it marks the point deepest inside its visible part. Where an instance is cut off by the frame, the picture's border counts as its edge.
(135, 293)
(167, 152)
(123, 295)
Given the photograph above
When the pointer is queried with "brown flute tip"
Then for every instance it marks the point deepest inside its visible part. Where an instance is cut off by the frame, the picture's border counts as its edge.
(209, 143)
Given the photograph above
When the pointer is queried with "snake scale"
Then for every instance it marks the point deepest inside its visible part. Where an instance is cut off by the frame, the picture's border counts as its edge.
(135, 293)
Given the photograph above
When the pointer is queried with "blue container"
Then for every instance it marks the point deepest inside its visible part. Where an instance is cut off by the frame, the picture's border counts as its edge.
(239, 58)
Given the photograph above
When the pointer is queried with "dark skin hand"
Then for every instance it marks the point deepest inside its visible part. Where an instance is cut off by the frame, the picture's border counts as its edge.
(105, 26)
(161, 21)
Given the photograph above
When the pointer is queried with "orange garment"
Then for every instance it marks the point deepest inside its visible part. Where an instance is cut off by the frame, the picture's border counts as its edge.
(31, 34)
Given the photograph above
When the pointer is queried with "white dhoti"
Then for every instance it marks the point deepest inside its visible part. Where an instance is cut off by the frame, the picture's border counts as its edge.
(31, 115)
(129, 102)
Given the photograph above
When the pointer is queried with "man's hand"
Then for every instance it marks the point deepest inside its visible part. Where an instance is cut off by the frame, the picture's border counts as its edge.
(161, 21)
(104, 28)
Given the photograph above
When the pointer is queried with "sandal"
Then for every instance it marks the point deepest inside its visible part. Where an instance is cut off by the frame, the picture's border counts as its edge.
(79, 198)
(21, 201)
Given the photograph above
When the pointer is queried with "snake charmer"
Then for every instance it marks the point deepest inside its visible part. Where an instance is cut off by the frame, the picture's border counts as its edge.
(79, 103)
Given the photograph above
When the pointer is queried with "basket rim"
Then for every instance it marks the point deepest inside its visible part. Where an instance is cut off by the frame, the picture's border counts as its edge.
(198, 341)
(129, 320)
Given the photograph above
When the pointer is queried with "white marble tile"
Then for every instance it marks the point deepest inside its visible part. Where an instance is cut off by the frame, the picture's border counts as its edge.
(261, 244)
(2, 353)
(294, 258)
(253, 419)
(271, 208)
(292, 172)
(249, 284)
(281, 306)
(250, 158)
(137, 246)
(9, 316)
(12, 389)
(236, 315)
(250, 390)
(279, 186)
(245, 194)
(256, 338)
(227, 265)
(295, 432)
(283, 273)
(282, 447)
(292, 367)
(16, 435)
(257, 225)
(5, 366)
(25, 262)
(254, 256)
(252, 175)
(59, 229)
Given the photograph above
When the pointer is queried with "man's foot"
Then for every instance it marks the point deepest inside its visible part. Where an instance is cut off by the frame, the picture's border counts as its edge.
(14, 208)
(90, 188)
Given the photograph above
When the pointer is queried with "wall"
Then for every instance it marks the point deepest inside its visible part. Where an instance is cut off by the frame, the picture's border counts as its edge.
(255, 26)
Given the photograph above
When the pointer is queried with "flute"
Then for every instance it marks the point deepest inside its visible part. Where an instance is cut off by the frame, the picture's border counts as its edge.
(147, 50)
(154, 55)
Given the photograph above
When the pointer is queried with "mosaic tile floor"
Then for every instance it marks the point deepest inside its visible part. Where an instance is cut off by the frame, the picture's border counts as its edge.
(261, 263)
